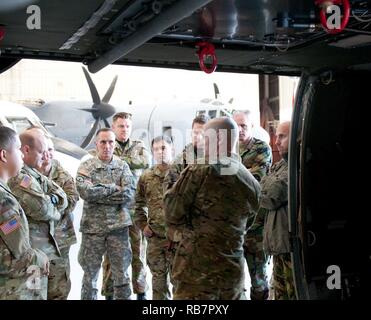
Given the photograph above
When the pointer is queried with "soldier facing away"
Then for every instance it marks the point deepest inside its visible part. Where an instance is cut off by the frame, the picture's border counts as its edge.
(256, 156)
(64, 231)
(18, 258)
(150, 217)
(208, 207)
(134, 153)
(107, 186)
(43, 201)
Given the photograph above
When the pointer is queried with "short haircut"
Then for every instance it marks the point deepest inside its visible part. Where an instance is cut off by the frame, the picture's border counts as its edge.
(7, 137)
(201, 119)
(165, 138)
(122, 115)
(247, 113)
(104, 130)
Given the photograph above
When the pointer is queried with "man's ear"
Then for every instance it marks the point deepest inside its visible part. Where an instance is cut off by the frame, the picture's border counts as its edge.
(3, 156)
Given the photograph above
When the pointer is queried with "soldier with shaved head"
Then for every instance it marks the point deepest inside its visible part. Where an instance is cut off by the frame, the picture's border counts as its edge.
(208, 208)
(274, 205)
(42, 200)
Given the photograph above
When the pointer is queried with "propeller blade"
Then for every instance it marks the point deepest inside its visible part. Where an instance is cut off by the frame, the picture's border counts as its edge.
(106, 123)
(93, 89)
(216, 90)
(109, 92)
(91, 134)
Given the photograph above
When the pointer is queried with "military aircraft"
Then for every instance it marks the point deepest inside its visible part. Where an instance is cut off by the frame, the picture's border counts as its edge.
(329, 50)
(150, 119)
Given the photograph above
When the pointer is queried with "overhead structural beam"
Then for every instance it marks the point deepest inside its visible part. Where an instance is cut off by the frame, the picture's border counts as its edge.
(178, 11)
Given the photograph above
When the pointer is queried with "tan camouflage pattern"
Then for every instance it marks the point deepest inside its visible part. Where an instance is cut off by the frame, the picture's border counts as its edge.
(64, 232)
(257, 158)
(149, 210)
(41, 213)
(138, 158)
(210, 210)
(283, 279)
(16, 254)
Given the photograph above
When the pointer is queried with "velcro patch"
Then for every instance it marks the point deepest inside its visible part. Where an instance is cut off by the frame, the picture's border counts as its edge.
(26, 182)
(10, 226)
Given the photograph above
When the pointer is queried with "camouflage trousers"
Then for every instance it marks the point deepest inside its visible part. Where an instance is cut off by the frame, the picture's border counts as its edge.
(138, 265)
(116, 246)
(185, 291)
(159, 260)
(256, 259)
(283, 281)
(59, 283)
(30, 287)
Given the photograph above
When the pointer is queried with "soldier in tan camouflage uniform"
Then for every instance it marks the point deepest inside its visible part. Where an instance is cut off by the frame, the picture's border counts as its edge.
(274, 202)
(107, 185)
(134, 153)
(150, 218)
(191, 152)
(64, 231)
(257, 157)
(42, 201)
(17, 258)
(208, 207)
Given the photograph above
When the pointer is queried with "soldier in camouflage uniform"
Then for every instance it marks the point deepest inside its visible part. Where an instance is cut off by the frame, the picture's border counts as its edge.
(64, 231)
(150, 218)
(208, 207)
(43, 201)
(256, 156)
(191, 152)
(134, 153)
(274, 202)
(106, 184)
(17, 258)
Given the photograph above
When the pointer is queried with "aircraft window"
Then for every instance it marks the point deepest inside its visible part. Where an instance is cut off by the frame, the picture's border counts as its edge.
(212, 114)
(19, 124)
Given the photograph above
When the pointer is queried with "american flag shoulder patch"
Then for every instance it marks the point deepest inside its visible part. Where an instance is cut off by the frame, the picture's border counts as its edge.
(26, 181)
(10, 226)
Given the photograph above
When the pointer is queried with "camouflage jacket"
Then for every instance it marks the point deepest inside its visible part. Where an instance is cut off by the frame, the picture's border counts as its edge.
(108, 190)
(64, 231)
(16, 254)
(209, 206)
(136, 156)
(42, 200)
(149, 208)
(257, 157)
(181, 161)
(274, 201)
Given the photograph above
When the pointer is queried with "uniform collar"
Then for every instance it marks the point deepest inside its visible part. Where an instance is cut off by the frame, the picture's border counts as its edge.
(158, 172)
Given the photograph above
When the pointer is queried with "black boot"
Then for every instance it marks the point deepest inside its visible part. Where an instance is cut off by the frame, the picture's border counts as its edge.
(141, 296)
(109, 298)
(259, 295)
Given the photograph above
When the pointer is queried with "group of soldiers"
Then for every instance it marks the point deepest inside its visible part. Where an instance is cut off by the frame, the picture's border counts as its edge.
(193, 219)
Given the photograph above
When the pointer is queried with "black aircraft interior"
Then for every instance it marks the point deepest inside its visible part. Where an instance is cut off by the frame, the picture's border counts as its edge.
(328, 144)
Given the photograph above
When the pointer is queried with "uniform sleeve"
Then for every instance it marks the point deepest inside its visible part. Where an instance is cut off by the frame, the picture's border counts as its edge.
(141, 210)
(179, 199)
(263, 161)
(55, 190)
(92, 192)
(172, 175)
(69, 187)
(139, 158)
(36, 204)
(275, 193)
